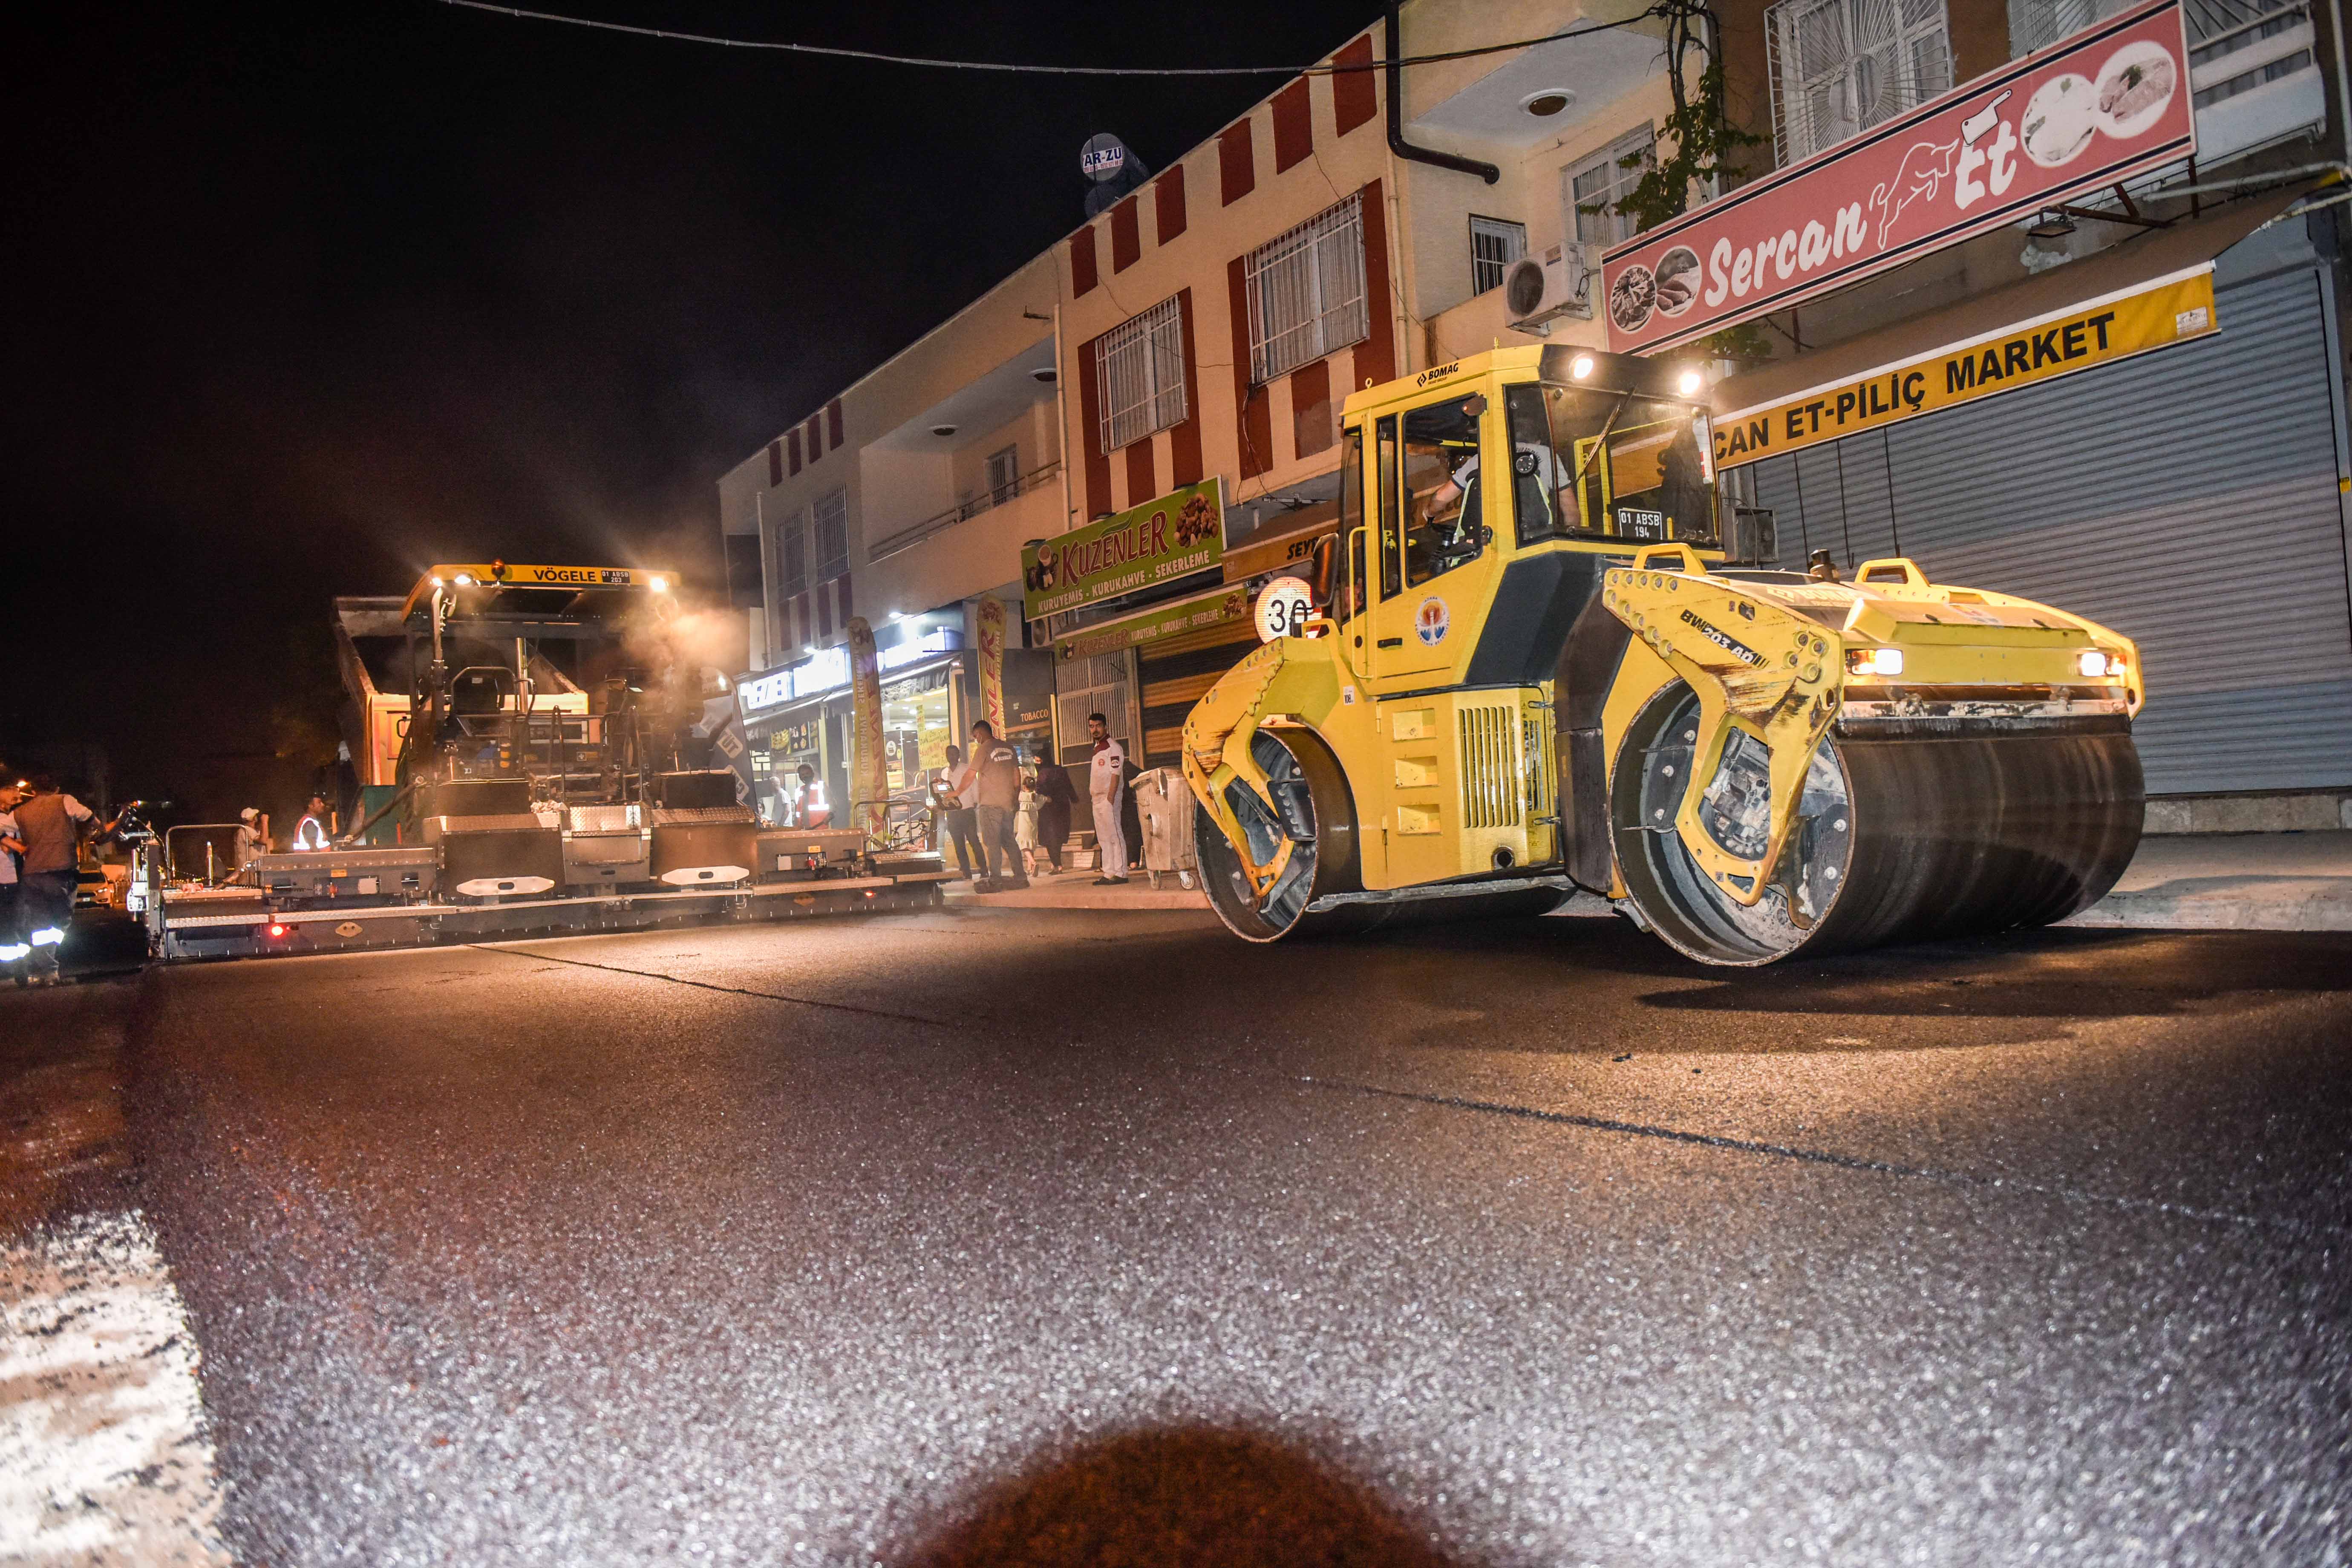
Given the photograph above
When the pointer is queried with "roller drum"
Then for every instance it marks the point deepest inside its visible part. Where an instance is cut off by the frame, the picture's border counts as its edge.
(1905, 833)
(1316, 816)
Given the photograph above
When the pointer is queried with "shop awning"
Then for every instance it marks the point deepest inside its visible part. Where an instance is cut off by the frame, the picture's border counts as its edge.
(1284, 544)
(1756, 411)
(1176, 617)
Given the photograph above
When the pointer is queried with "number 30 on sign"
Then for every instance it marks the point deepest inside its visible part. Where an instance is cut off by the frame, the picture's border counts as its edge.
(1283, 608)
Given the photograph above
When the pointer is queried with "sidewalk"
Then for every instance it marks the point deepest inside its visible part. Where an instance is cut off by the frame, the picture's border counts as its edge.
(2234, 881)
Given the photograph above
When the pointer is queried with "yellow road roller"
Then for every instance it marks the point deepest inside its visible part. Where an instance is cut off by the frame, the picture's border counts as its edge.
(1531, 661)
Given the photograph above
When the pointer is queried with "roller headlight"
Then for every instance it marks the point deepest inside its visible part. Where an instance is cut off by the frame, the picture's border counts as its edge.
(2096, 662)
(1884, 662)
(1581, 367)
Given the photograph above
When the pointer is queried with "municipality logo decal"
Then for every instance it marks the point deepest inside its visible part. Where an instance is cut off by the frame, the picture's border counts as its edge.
(1431, 621)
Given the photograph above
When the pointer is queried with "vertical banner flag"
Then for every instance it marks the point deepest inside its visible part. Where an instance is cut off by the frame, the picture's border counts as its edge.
(991, 662)
(867, 784)
(2088, 111)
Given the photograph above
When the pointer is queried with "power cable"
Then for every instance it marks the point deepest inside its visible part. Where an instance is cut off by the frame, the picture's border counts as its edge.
(880, 57)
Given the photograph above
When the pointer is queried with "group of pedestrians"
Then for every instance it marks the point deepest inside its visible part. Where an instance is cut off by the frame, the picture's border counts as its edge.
(40, 867)
(977, 797)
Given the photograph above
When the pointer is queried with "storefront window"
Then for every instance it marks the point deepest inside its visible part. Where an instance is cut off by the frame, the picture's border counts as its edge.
(1590, 464)
(917, 725)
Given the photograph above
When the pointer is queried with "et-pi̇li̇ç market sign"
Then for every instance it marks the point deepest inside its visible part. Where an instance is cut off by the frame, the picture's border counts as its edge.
(2108, 102)
(2095, 332)
(1181, 533)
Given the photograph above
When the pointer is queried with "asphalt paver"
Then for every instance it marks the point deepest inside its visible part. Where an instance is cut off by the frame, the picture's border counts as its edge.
(1031, 1235)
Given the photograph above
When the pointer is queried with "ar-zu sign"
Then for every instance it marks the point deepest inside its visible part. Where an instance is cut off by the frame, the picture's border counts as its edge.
(1283, 608)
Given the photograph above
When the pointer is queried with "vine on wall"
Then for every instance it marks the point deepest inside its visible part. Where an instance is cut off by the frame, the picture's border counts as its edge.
(1698, 148)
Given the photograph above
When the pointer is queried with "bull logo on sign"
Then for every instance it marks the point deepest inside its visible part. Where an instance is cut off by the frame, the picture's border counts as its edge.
(1927, 168)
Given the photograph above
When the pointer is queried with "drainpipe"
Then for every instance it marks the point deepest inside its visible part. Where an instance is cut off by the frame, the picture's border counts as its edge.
(2343, 85)
(1397, 143)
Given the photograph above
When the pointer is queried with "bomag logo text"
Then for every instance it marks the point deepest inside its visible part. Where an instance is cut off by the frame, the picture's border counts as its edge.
(1724, 640)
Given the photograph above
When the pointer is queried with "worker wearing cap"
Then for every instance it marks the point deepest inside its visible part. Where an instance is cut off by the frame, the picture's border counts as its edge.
(13, 949)
(50, 825)
(252, 836)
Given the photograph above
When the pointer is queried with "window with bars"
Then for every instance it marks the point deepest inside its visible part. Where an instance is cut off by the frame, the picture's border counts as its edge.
(2036, 24)
(1004, 474)
(1306, 293)
(1840, 66)
(791, 554)
(1495, 244)
(1140, 376)
(1597, 184)
(832, 536)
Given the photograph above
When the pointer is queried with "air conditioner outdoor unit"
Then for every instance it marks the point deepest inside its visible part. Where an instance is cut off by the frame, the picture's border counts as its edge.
(1537, 293)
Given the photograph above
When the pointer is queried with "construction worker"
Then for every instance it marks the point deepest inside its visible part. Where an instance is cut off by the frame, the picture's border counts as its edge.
(13, 949)
(314, 831)
(252, 836)
(50, 825)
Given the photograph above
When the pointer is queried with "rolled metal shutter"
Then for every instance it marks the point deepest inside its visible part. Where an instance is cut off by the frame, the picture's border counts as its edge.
(2187, 498)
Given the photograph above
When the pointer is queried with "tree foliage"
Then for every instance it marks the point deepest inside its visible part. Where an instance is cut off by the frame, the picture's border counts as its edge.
(1699, 147)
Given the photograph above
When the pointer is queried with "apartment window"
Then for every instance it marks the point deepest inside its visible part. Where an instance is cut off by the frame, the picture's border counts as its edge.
(2036, 24)
(832, 536)
(1840, 66)
(791, 554)
(1495, 244)
(1005, 470)
(1306, 293)
(1140, 376)
(1597, 184)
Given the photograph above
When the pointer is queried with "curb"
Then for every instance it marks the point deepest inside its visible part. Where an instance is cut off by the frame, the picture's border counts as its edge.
(1079, 893)
(2313, 903)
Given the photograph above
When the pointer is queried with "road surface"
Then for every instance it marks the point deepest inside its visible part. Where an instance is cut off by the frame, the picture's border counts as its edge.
(1007, 1236)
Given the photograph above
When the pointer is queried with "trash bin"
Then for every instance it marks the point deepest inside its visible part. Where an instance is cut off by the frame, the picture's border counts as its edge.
(1164, 802)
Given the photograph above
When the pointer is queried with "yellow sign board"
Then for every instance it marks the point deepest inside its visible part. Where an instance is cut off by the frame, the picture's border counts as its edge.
(2098, 331)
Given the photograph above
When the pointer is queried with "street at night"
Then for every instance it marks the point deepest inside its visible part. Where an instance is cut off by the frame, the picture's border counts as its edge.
(1527, 1241)
(1365, 783)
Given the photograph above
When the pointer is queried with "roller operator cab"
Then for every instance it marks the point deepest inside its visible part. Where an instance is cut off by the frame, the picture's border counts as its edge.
(1534, 666)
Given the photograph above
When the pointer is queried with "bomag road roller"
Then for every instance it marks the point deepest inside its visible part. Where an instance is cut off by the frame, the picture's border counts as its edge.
(1527, 665)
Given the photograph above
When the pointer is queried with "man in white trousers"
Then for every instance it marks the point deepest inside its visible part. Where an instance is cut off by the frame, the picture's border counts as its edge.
(1107, 775)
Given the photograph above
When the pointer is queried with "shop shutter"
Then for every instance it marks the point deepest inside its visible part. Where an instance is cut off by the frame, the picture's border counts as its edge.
(2187, 498)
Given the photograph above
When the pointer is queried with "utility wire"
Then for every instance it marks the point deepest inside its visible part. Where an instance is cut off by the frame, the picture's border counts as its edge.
(879, 58)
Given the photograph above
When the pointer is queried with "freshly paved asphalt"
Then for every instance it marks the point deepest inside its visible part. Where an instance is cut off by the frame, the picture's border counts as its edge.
(1002, 1236)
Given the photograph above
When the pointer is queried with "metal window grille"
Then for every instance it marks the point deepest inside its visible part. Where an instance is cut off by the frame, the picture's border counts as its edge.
(1597, 184)
(2227, 24)
(1004, 474)
(1840, 66)
(1495, 244)
(1139, 375)
(1306, 293)
(1097, 684)
(832, 536)
(791, 554)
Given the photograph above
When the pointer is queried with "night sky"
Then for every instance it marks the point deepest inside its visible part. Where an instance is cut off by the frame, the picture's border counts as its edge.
(306, 298)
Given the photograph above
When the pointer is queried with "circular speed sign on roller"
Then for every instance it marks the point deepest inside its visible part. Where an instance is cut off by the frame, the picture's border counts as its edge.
(1283, 608)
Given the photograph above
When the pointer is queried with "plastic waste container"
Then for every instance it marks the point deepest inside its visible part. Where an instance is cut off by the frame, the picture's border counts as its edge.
(1164, 802)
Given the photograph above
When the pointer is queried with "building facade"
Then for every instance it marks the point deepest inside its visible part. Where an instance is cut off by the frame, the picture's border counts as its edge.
(1198, 338)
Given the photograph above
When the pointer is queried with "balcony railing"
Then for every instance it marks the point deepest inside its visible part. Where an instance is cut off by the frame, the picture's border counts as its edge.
(907, 538)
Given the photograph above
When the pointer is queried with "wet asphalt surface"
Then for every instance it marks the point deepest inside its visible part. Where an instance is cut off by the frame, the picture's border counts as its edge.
(851, 1242)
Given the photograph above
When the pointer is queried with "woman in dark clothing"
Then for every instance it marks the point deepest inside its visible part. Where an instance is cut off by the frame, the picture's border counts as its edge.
(1055, 798)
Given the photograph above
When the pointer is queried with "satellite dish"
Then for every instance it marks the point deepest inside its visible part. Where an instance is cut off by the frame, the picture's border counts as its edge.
(1102, 157)
(1111, 171)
